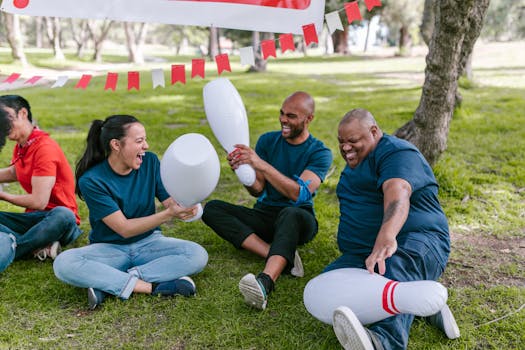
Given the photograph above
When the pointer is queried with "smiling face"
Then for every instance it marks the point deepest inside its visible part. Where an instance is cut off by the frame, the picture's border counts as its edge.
(357, 138)
(295, 115)
(127, 153)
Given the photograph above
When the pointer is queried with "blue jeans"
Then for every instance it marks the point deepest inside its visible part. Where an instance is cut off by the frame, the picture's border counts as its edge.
(115, 268)
(23, 233)
(419, 256)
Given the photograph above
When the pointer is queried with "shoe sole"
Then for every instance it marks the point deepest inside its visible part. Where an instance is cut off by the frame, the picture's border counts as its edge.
(450, 325)
(55, 249)
(297, 269)
(349, 331)
(187, 278)
(252, 292)
(93, 302)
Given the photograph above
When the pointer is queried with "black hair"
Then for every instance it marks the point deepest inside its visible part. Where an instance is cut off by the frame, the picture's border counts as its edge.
(98, 141)
(15, 102)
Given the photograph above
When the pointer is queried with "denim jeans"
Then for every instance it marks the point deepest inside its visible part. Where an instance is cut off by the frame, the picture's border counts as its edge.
(115, 268)
(420, 256)
(284, 228)
(34, 230)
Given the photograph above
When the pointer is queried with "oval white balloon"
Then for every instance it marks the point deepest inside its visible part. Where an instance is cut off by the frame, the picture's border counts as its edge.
(190, 169)
(226, 115)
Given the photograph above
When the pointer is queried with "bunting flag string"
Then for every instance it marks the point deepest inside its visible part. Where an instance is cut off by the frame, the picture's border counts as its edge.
(247, 55)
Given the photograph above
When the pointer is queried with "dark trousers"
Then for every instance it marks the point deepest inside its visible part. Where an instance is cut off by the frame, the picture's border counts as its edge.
(284, 228)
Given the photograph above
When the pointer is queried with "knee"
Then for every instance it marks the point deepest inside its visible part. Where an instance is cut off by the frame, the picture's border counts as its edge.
(63, 214)
(293, 213)
(211, 207)
(199, 256)
(64, 264)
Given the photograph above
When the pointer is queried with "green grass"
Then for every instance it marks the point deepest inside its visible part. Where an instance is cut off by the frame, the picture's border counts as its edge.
(482, 178)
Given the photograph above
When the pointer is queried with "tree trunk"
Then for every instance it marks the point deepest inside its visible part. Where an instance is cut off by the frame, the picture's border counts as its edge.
(340, 39)
(53, 34)
(14, 37)
(80, 34)
(367, 34)
(135, 42)
(404, 40)
(260, 64)
(39, 42)
(98, 40)
(427, 24)
(213, 43)
(458, 24)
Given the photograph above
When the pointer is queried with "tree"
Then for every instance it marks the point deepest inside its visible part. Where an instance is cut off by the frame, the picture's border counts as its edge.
(98, 31)
(213, 43)
(260, 63)
(457, 26)
(135, 38)
(54, 33)
(339, 38)
(14, 38)
(80, 34)
(401, 16)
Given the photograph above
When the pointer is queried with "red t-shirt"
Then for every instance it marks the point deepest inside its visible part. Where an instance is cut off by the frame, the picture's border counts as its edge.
(42, 156)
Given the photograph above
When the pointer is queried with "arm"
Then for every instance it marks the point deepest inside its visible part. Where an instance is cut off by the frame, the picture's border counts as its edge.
(8, 174)
(136, 226)
(396, 194)
(266, 172)
(39, 196)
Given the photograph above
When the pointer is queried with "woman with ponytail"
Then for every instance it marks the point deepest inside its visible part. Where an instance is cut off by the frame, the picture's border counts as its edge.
(119, 181)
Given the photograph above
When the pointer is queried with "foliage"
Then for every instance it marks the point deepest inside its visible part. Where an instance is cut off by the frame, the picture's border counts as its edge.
(505, 20)
(482, 177)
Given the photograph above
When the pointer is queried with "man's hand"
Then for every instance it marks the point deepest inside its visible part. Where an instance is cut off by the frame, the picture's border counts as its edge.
(384, 248)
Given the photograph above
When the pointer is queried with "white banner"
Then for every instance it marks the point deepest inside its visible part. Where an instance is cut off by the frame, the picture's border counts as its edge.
(277, 16)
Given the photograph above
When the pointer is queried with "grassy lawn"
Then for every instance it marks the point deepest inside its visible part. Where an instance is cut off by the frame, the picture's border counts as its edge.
(482, 178)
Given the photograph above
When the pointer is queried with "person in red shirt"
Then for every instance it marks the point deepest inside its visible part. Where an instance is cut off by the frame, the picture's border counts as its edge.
(39, 165)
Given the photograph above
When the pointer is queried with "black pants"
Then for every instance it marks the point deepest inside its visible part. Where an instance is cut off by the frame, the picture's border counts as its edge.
(284, 228)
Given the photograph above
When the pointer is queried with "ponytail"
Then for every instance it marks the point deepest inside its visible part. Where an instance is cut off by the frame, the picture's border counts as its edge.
(98, 142)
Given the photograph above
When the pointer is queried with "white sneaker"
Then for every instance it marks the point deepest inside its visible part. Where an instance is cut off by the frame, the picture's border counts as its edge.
(297, 269)
(349, 331)
(445, 321)
(51, 251)
(253, 292)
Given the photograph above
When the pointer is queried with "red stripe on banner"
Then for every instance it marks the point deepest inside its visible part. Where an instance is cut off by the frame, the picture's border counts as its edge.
(12, 78)
(178, 73)
(223, 63)
(370, 4)
(268, 48)
(386, 292)
(197, 67)
(287, 4)
(392, 303)
(352, 12)
(111, 81)
(133, 80)
(33, 80)
(286, 42)
(310, 35)
(83, 82)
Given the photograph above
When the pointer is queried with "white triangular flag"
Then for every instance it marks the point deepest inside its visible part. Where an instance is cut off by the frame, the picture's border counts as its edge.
(61, 81)
(333, 21)
(157, 76)
(247, 57)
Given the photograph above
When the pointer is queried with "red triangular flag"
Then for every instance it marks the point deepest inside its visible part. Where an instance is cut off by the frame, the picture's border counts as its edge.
(111, 81)
(223, 63)
(310, 34)
(370, 4)
(178, 73)
(352, 12)
(268, 48)
(84, 81)
(133, 80)
(286, 42)
(12, 78)
(33, 79)
(197, 67)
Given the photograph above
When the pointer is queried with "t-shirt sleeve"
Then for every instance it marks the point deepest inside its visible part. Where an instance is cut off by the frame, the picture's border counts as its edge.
(261, 147)
(98, 200)
(320, 162)
(45, 160)
(160, 191)
(406, 164)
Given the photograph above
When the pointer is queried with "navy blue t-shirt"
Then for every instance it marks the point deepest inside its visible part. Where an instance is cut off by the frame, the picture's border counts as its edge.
(107, 192)
(291, 160)
(361, 196)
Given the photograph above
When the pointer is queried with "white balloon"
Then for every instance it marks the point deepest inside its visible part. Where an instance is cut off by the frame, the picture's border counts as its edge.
(190, 170)
(227, 118)
(371, 297)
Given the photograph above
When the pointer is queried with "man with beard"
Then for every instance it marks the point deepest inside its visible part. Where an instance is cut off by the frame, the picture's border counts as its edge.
(290, 164)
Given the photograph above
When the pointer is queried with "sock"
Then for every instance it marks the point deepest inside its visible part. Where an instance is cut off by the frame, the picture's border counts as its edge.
(266, 281)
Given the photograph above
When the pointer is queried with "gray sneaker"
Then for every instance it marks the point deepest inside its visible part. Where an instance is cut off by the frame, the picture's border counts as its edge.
(253, 291)
(445, 321)
(297, 269)
(95, 297)
(349, 331)
(51, 251)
